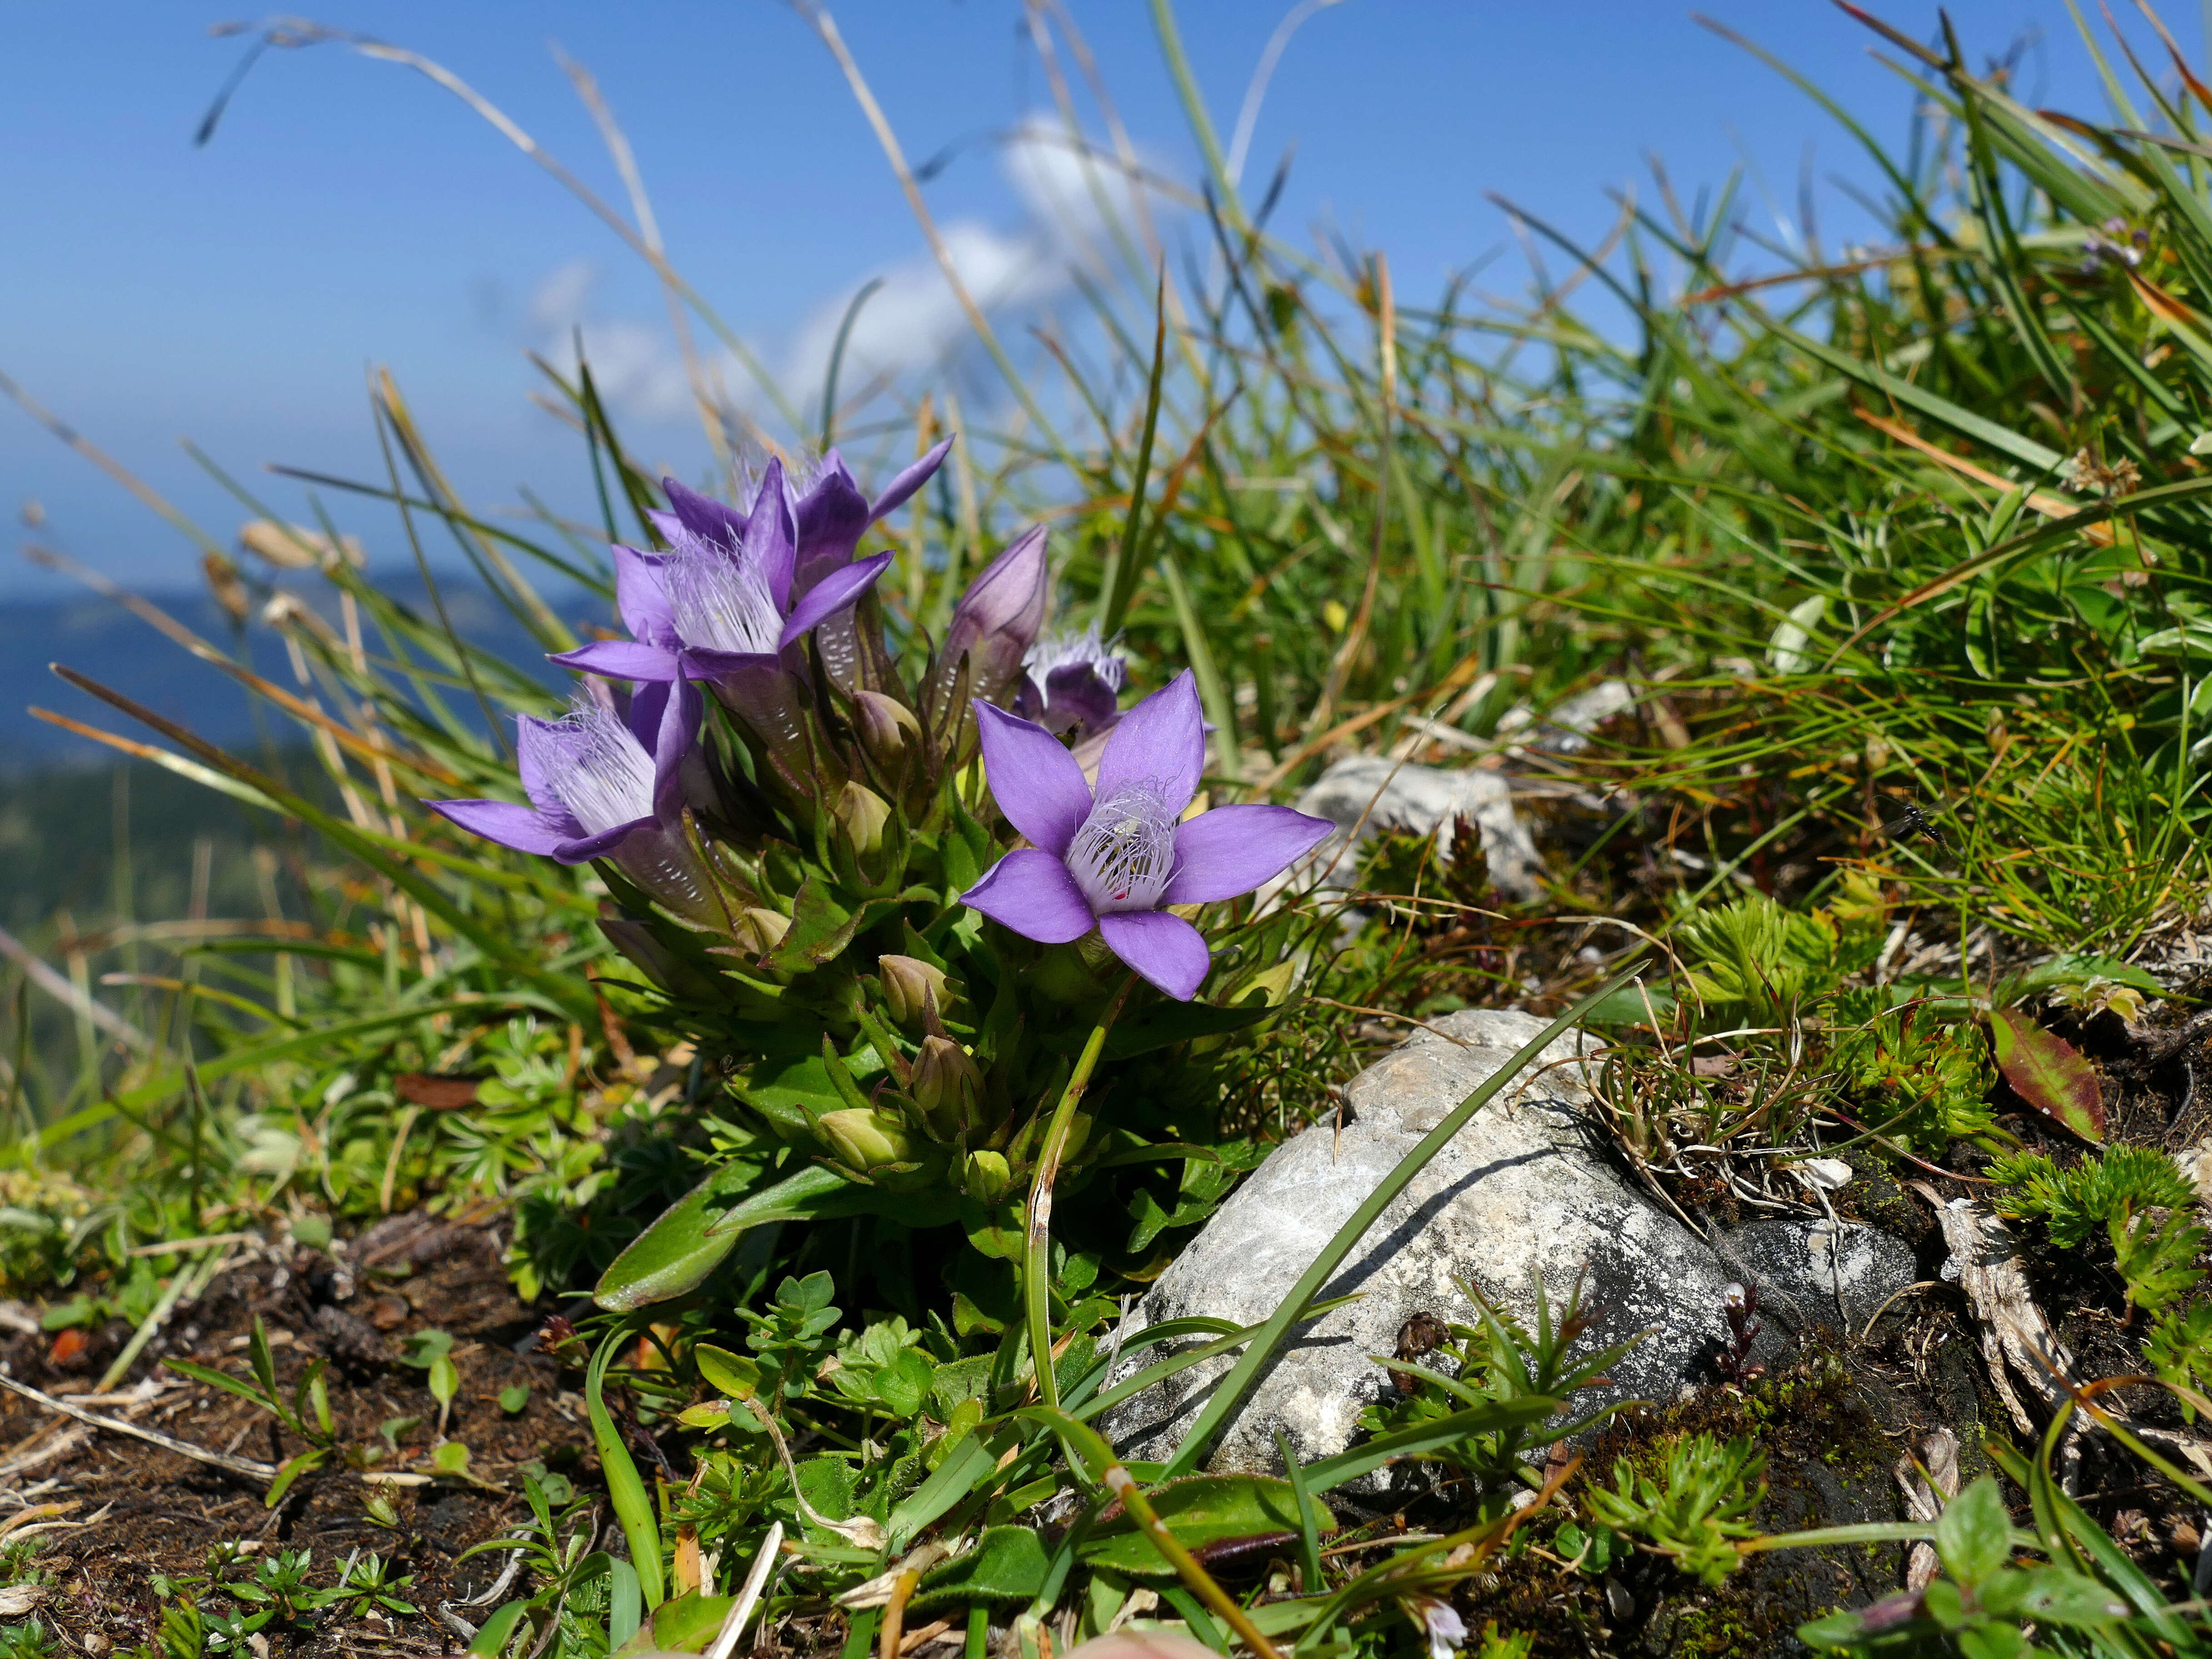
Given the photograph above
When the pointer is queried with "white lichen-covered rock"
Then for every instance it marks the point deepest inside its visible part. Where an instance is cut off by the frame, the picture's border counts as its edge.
(1521, 1191)
(1369, 793)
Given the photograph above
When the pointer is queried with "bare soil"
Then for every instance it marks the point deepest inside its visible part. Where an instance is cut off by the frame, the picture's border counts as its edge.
(145, 1512)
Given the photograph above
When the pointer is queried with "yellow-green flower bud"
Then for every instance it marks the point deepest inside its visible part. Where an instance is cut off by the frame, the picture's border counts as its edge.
(864, 1139)
(946, 1086)
(986, 1176)
(909, 985)
(759, 929)
(886, 728)
(861, 814)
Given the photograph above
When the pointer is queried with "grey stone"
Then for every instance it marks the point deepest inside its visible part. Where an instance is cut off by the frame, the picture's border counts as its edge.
(1522, 1190)
(1566, 730)
(1818, 1272)
(1368, 793)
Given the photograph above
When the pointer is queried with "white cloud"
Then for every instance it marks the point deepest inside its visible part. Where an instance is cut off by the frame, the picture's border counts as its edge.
(911, 324)
(634, 365)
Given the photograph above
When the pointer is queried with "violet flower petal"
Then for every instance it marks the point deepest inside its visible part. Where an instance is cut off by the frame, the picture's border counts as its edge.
(1167, 951)
(708, 519)
(583, 848)
(900, 488)
(665, 718)
(622, 659)
(771, 540)
(702, 663)
(1036, 781)
(831, 519)
(641, 595)
(832, 593)
(1032, 893)
(1162, 738)
(1228, 852)
(522, 828)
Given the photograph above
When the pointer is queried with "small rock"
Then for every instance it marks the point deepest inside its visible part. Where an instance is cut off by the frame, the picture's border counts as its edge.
(1820, 1272)
(350, 1337)
(1826, 1175)
(388, 1313)
(1521, 1191)
(1369, 793)
(1566, 729)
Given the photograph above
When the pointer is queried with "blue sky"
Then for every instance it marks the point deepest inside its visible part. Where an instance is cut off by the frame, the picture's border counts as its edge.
(349, 213)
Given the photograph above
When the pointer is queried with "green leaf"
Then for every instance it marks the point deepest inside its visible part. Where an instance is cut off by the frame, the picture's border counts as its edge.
(1994, 1642)
(820, 928)
(444, 1380)
(1423, 1438)
(2056, 1596)
(491, 1638)
(640, 1525)
(687, 1624)
(1007, 1564)
(2048, 1072)
(263, 1362)
(965, 1468)
(1974, 1535)
(691, 1237)
(291, 1470)
(423, 1349)
(1201, 1510)
(733, 1375)
(903, 1384)
(451, 1457)
(625, 1608)
(514, 1397)
(215, 1379)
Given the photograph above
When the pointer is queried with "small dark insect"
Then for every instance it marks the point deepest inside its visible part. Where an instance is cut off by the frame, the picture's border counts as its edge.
(1911, 820)
(1423, 1334)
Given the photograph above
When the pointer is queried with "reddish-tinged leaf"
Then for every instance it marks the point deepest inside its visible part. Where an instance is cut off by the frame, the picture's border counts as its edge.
(439, 1094)
(2049, 1074)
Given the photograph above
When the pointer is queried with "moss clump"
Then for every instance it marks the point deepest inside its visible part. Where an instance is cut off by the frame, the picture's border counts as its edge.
(1828, 1462)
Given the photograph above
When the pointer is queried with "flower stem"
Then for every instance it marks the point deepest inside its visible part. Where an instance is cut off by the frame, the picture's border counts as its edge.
(1036, 1259)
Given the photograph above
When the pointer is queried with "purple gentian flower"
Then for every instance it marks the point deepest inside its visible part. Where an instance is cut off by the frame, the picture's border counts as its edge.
(1112, 856)
(737, 590)
(606, 785)
(1072, 682)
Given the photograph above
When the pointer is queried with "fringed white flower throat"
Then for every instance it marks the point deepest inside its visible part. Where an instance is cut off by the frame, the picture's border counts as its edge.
(608, 780)
(1123, 854)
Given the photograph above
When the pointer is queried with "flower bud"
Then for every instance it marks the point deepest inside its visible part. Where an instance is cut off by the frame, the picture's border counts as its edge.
(909, 986)
(946, 1086)
(861, 814)
(986, 1177)
(864, 1139)
(998, 619)
(886, 727)
(758, 930)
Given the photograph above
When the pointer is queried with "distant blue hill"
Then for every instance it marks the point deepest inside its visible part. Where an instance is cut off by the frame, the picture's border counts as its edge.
(98, 637)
